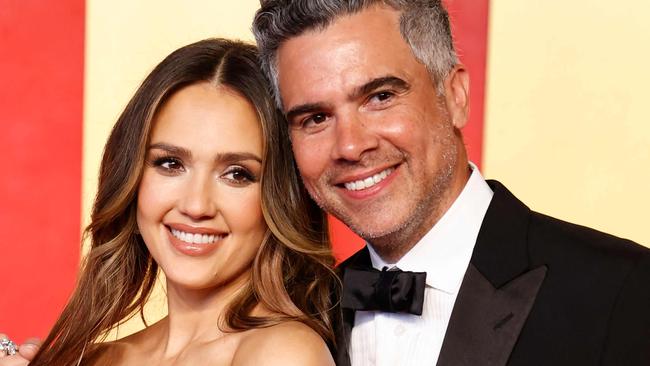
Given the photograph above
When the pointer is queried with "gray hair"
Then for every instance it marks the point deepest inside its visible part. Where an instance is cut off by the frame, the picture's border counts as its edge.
(424, 25)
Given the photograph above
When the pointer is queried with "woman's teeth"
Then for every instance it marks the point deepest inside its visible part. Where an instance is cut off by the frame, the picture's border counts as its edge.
(195, 238)
(368, 182)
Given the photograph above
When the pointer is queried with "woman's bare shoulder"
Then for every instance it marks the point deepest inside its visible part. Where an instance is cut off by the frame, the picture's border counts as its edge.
(115, 352)
(106, 353)
(286, 344)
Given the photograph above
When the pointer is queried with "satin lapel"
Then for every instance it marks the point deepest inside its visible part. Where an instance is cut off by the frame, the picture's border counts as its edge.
(360, 260)
(486, 321)
(499, 288)
(343, 338)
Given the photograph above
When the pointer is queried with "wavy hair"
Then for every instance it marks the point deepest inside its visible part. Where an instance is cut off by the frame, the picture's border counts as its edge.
(292, 273)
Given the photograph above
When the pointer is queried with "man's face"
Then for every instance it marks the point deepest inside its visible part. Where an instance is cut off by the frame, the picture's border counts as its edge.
(374, 143)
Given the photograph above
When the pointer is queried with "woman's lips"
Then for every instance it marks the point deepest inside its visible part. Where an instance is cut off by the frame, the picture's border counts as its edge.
(195, 242)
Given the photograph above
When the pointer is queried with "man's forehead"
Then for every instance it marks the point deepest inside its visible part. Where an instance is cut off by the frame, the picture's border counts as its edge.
(321, 82)
(372, 25)
(348, 53)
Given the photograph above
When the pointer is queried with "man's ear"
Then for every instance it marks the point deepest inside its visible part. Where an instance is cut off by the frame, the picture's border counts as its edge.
(457, 95)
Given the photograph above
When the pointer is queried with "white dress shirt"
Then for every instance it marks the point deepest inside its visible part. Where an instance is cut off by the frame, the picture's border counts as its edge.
(388, 339)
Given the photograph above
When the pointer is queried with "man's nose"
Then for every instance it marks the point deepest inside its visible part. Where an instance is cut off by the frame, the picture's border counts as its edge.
(353, 137)
(199, 199)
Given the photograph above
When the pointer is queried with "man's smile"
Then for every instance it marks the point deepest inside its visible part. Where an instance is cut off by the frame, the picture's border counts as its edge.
(368, 181)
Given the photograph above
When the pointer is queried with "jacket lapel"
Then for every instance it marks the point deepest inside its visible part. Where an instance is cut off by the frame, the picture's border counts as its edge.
(360, 260)
(343, 338)
(499, 288)
(486, 321)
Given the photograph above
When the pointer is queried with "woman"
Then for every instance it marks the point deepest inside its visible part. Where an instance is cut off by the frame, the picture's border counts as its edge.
(197, 180)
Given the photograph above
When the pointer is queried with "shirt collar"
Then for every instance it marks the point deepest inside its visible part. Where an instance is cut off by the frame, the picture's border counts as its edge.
(445, 251)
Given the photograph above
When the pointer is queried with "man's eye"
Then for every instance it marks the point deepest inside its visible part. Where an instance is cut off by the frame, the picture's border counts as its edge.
(317, 118)
(382, 96)
(239, 175)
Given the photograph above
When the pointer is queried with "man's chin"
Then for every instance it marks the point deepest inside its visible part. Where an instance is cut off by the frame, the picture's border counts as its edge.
(372, 230)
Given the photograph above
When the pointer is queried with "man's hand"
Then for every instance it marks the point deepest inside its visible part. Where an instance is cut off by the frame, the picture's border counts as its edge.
(26, 353)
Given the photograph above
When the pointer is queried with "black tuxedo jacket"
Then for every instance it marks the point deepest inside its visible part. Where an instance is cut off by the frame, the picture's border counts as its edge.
(540, 291)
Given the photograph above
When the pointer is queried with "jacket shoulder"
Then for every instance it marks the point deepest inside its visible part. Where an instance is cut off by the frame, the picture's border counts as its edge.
(550, 237)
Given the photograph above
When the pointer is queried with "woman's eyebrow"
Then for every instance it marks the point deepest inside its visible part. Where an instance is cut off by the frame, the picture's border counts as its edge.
(172, 149)
(234, 157)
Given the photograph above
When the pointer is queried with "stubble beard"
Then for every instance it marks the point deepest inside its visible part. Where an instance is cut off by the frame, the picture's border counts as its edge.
(393, 243)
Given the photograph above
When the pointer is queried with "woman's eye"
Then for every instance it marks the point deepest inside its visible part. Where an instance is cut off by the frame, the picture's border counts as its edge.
(170, 164)
(239, 175)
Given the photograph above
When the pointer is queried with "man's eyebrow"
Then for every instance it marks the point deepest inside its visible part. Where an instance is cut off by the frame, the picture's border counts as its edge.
(377, 83)
(370, 86)
(304, 109)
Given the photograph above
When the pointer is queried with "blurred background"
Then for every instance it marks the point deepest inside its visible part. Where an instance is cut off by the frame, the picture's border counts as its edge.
(559, 114)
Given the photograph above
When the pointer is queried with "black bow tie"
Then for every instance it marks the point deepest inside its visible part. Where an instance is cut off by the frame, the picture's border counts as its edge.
(393, 291)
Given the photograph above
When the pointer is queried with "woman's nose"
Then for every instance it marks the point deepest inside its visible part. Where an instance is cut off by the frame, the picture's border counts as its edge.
(198, 199)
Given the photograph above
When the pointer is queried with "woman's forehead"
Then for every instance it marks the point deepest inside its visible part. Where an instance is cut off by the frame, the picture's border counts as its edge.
(205, 116)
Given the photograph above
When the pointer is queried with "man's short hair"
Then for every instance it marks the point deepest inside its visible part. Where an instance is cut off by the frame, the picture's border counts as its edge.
(424, 25)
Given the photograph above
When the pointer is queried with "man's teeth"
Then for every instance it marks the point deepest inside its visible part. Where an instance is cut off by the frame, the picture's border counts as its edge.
(195, 238)
(368, 182)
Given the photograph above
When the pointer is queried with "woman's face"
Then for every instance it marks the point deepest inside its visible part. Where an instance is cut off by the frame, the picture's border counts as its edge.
(199, 209)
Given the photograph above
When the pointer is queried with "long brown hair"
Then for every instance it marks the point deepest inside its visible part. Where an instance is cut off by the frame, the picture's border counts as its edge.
(292, 273)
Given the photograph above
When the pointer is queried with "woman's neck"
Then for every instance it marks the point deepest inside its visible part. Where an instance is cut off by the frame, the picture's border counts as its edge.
(195, 316)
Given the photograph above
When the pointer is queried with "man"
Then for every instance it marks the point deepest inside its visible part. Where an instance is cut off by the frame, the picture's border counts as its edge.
(375, 99)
